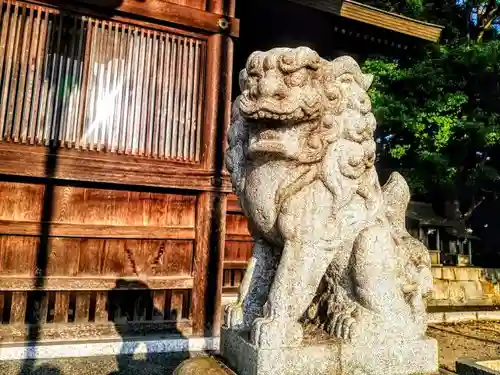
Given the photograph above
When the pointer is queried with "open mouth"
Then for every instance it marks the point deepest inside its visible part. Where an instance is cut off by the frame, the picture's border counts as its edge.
(267, 141)
(266, 115)
(266, 147)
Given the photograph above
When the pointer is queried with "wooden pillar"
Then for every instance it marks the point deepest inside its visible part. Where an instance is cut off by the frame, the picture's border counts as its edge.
(212, 206)
(208, 263)
(438, 240)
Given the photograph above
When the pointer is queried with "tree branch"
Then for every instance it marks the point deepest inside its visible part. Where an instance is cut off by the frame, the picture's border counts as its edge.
(485, 20)
(468, 214)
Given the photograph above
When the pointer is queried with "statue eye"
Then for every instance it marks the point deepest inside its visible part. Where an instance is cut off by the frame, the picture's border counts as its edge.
(345, 78)
(297, 78)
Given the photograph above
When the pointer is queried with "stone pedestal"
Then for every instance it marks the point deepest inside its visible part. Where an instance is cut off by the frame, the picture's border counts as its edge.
(329, 358)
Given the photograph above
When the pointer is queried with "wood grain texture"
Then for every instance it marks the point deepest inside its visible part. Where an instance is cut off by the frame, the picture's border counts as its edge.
(373, 16)
(53, 283)
(96, 330)
(82, 307)
(18, 307)
(204, 216)
(23, 228)
(103, 123)
(158, 11)
(25, 160)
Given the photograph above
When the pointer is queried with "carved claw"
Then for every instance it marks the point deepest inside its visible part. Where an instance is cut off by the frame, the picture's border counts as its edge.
(233, 316)
(271, 333)
(343, 324)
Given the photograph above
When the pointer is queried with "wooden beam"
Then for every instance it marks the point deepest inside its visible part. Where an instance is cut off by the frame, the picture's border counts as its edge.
(100, 283)
(28, 228)
(238, 237)
(235, 264)
(92, 331)
(159, 11)
(390, 21)
(26, 160)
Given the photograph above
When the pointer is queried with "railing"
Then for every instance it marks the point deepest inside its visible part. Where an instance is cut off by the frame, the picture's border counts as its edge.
(100, 85)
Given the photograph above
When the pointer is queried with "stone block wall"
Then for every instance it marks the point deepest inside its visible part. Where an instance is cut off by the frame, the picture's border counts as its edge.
(465, 286)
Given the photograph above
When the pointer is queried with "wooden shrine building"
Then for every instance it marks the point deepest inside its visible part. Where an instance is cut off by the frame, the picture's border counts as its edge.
(116, 215)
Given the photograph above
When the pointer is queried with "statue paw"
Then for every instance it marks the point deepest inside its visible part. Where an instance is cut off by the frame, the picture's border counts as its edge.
(233, 316)
(272, 333)
(343, 325)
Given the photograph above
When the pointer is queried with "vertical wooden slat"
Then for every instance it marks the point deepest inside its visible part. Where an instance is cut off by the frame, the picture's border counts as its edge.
(18, 307)
(2, 294)
(101, 312)
(82, 307)
(182, 98)
(43, 309)
(83, 100)
(144, 125)
(202, 107)
(135, 113)
(54, 122)
(117, 87)
(118, 125)
(159, 299)
(68, 84)
(125, 122)
(101, 63)
(171, 94)
(164, 97)
(32, 67)
(66, 92)
(77, 72)
(105, 62)
(177, 96)
(189, 102)
(176, 304)
(95, 89)
(138, 126)
(3, 51)
(61, 307)
(24, 68)
(16, 69)
(196, 103)
(157, 135)
(9, 55)
(45, 84)
(227, 278)
(151, 133)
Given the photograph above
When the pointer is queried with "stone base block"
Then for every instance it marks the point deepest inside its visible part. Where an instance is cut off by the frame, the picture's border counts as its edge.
(329, 358)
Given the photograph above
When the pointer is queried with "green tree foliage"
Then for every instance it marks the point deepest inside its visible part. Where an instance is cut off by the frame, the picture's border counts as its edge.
(439, 114)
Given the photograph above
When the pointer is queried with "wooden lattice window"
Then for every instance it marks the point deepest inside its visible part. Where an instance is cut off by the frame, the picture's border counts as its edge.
(93, 84)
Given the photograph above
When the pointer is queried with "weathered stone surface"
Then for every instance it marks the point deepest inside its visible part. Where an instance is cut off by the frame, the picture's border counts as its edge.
(331, 248)
(336, 357)
(202, 366)
(472, 367)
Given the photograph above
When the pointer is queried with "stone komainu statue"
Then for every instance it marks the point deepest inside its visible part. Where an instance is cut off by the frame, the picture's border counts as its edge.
(331, 249)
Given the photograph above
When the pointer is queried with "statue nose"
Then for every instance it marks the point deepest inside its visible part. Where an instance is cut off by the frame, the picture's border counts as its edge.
(268, 87)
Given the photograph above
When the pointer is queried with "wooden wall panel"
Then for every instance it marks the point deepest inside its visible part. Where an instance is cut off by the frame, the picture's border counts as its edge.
(128, 208)
(18, 255)
(105, 86)
(238, 247)
(20, 201)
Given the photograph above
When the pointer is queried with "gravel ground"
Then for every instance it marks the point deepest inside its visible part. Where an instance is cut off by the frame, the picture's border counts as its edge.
(476, 340)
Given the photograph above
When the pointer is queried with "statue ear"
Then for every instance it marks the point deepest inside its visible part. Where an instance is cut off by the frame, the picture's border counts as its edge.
(367, 81)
